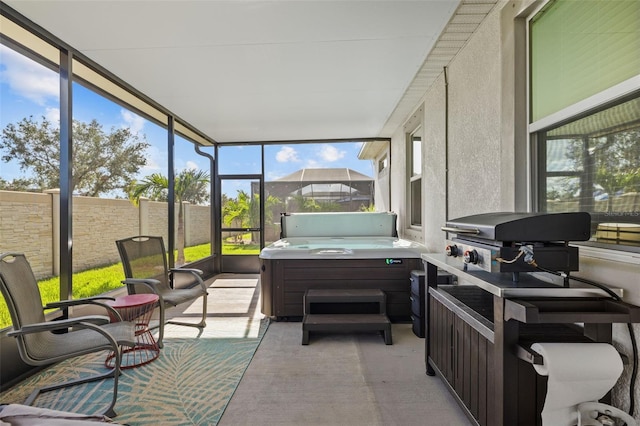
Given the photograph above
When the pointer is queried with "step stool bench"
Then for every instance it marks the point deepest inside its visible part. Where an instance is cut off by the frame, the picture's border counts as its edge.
(346, 322)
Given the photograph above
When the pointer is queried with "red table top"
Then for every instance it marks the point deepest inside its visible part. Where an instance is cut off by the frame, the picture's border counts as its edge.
(133, 300)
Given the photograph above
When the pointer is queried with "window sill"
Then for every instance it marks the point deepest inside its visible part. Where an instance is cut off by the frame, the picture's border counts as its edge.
(609, 255)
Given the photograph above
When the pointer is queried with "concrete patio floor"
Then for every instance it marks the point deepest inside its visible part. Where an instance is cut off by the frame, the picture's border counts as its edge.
(338, 379)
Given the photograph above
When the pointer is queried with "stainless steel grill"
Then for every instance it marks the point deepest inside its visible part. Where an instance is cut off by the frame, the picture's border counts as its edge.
(518, 242)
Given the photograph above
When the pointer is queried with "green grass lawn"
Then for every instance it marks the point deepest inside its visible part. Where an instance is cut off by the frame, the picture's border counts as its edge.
(241, 249)
(101, 280)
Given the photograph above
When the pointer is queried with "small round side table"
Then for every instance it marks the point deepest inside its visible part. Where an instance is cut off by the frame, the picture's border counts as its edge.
(136, 308)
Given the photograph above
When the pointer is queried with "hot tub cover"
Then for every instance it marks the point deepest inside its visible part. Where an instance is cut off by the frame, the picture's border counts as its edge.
(338, 224)
(342, 248)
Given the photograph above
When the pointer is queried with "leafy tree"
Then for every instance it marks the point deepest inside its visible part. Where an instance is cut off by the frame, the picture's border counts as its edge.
(300, 203)
(244, 212)
(189, 185)
(618, 163)
(101, 162)
(368, 208)
(24, 185)
(236, 211)
(254, 212)
(615, 159)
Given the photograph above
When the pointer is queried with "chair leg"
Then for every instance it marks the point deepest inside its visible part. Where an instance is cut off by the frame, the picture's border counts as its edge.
(114, 372)
(161, 326)
(202, 323)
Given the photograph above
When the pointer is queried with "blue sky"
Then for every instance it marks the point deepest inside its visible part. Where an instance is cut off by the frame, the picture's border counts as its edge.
(29, 89)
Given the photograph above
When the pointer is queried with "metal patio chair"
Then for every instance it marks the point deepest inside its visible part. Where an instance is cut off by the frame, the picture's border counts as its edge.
(41, 342)
(144, 260)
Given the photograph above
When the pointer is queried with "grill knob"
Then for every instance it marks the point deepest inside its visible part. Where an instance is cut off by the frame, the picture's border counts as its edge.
(471, 256)
(452, 250)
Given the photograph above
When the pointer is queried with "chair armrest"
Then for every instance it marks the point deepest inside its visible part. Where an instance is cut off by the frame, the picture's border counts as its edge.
(191, 270)
(197, 273)
(93, 322)
(147, 282)
(75, 302)
(150, 283)
(96, 300)
(60, 324)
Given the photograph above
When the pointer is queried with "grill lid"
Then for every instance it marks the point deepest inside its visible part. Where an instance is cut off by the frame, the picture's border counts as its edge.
(522, 226)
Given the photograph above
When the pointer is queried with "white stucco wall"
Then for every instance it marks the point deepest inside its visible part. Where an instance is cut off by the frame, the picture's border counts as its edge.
(487, 161)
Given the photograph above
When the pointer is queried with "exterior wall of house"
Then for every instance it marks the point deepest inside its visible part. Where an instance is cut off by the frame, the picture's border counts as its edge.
(478, 180)
(487, 148)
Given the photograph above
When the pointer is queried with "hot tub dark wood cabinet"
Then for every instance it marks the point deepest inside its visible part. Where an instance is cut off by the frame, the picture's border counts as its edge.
(283, 282)
(479, 334)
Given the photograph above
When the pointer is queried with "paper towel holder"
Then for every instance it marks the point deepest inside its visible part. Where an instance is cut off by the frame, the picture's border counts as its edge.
(527, 354)
(586, 416)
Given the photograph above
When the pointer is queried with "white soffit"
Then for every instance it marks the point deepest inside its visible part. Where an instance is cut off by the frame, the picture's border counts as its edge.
(457, 32)
(260, 70)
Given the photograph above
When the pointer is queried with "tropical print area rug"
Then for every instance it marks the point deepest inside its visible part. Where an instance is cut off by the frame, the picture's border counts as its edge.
(189, 384)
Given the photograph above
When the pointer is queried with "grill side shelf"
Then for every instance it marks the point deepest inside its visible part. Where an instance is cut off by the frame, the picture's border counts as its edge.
(570, 310)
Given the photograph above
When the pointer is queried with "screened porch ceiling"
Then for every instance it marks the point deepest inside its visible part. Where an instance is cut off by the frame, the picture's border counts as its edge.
(245, 71)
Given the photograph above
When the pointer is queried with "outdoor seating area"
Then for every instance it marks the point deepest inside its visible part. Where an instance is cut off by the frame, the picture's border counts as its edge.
(42, 342)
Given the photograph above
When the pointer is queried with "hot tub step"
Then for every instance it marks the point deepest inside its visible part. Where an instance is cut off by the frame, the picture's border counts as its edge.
(345, 321)
(339, 295)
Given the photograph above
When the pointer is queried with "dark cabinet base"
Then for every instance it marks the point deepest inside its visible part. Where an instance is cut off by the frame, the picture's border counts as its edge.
(418, 297)
(283, 283)
(464, 358)
(417, 303)
(478, 342)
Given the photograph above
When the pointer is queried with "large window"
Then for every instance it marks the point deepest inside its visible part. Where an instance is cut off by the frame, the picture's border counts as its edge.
(118, 142)
(315, 177)
(29, 95)
(192, 197)
(585, 114)
(593, 164)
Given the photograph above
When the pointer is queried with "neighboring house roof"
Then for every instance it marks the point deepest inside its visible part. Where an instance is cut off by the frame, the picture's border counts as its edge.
(324, 175)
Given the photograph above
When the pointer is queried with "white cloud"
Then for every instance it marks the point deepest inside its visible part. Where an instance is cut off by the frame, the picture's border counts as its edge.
(191, 165)
(330, 153)
(132, 121)
(313, 164)
(27, 78)
(274, 175)
(154, 158)
(53, 116)
(287, 154)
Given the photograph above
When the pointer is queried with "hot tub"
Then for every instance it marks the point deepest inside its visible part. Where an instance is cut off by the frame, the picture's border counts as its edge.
(296, 263)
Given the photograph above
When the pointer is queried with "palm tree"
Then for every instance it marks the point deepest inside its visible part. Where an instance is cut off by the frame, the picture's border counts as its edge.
(235, 212)
(254, 212)
(189, 185)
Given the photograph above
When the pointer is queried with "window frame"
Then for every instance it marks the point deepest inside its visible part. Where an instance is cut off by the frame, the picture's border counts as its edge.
(601, 101)
(414, 186)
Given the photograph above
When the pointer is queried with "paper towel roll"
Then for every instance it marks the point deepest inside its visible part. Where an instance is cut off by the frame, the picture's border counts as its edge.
(578, 372)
